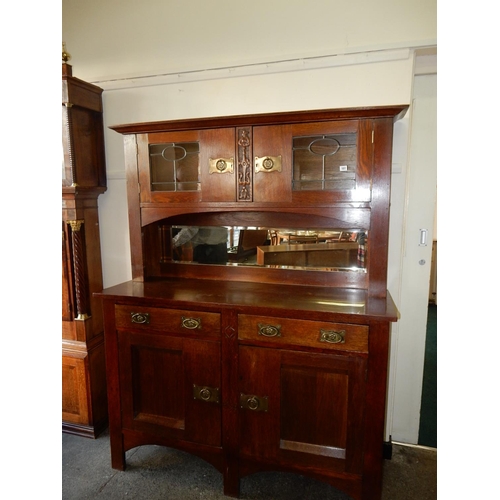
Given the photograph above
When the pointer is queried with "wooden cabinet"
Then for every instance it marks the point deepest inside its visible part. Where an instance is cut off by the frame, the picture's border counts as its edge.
(170, 372)
(84, 401)
(257, 365)
(302, 386)
(331, 157)
(308, 405)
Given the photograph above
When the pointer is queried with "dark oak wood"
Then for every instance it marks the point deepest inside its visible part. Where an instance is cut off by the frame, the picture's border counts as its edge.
(284, 369)
(249, 368)
(272, 200)
(84, 400)
(393, 112)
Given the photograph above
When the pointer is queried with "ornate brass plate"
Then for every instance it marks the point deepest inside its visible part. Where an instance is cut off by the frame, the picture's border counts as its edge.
(268, 164)
(221, 165)
(332, 336)
(190, 323)
(269, 330)
(139, 318)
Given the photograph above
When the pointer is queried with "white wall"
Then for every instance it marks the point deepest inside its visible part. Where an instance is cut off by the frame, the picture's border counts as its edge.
(114, 39)
(236, 59)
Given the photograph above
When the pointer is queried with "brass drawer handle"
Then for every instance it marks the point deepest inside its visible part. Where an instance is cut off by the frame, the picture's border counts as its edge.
(332, 336)
(207, 394)
(140, 318)
(254, 403)
(269, 330)
(190, 323)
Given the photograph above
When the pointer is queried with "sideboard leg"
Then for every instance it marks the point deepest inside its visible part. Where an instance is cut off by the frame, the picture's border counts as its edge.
(231, 481)
(117, 452)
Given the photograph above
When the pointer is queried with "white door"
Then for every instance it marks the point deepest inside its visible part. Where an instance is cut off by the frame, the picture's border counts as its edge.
(408, 341)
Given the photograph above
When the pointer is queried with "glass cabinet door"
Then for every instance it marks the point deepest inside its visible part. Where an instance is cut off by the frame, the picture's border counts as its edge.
(174, 166)
(329, 160)
(324, 162)
(187, 166)
(332, 160)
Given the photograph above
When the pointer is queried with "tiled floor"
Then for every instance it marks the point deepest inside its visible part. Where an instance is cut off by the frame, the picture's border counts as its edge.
(155, 472)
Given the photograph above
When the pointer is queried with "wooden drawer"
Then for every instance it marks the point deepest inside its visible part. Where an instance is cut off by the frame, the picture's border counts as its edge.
(319, 334)
(180, 321)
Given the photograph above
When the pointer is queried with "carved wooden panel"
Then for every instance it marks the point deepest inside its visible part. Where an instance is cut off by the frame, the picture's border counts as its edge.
(245, 162)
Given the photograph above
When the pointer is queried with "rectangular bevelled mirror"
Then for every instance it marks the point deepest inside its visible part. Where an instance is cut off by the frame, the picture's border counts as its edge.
(321, 249)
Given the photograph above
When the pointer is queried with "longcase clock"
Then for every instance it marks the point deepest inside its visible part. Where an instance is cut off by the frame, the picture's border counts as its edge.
(84, 400)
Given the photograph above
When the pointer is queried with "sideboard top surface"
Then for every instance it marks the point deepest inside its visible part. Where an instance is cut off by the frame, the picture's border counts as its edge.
(263, 298)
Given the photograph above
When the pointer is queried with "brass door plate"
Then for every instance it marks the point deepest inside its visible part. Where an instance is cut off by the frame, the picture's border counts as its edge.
(207, 394)
(221, 165)
(254, 403)
(268, 164)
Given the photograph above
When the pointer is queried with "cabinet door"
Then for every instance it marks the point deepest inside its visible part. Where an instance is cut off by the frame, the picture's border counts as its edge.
(311, 162)
(170, 386)
(302, 408)
(187, 166)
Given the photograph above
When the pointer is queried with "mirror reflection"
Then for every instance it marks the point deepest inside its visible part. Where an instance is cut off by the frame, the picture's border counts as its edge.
(332, 249)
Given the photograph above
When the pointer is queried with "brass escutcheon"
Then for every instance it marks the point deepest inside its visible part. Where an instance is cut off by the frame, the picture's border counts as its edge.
(140, 318)
(190, 323)
(332, 336)
(269, 330)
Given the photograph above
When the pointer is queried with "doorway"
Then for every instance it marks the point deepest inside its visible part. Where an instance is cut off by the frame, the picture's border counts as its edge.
(427, 434)
(410, 342)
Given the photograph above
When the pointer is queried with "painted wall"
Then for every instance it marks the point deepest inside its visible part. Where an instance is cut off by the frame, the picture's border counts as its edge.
(125, 38)
(160, 60)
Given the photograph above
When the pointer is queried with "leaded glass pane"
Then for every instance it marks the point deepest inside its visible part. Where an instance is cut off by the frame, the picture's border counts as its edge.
(324, 162)
(174, 166)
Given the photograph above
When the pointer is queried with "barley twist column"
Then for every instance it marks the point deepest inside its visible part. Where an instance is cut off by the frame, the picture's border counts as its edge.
(81, 290)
